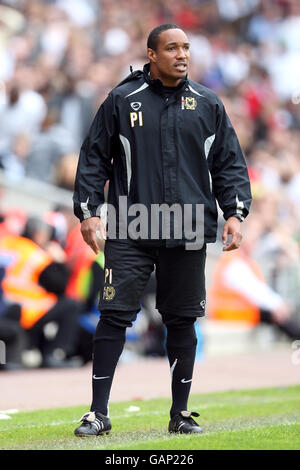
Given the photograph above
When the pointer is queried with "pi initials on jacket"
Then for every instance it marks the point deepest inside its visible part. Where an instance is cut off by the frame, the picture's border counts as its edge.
(136, 117)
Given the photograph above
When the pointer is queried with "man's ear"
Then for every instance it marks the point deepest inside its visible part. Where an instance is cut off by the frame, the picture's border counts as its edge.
(151, 55)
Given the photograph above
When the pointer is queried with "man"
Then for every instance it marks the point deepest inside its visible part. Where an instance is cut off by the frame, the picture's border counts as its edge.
(161, 140)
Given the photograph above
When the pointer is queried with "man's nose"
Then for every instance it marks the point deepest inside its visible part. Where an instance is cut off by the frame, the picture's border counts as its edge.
(181, 53)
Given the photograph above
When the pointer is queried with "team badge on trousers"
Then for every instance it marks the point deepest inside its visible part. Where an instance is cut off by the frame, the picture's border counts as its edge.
(108, 292)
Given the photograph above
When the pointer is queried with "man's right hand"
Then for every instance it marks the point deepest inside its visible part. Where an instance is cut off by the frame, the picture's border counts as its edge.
(88, 230)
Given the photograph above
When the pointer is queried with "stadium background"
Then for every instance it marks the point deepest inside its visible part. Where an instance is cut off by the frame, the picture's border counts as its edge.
(59, 59)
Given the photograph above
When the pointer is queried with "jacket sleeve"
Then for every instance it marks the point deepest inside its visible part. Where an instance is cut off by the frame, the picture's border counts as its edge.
(229, 172)
(95, 162)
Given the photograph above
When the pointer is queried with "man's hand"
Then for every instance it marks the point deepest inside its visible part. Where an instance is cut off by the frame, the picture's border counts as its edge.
(56, 252)
(88, 230)
(232, 227)
(282, 313)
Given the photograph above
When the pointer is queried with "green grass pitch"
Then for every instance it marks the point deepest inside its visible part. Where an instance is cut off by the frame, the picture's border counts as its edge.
(256, 419)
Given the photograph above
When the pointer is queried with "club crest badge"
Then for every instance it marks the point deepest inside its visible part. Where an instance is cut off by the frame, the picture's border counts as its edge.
(190, 102)
(108, 292)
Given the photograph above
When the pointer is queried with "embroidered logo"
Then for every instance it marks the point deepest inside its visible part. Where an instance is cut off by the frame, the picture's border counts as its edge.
(190, 103)
(136, 105)
(108, 292)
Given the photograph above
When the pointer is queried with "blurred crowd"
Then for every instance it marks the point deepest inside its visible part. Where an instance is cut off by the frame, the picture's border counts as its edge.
(60, 58)
(50, 283)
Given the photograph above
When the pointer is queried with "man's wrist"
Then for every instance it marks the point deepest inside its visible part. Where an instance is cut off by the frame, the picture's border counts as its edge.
(239, 217)
(91, 217)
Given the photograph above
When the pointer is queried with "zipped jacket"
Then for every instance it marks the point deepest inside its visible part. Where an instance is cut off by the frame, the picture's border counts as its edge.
(157, 149)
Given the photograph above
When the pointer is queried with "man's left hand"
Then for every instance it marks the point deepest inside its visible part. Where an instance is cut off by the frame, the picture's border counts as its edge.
(232, 227)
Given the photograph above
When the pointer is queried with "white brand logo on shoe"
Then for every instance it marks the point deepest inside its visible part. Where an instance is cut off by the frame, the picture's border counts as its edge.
(99, 378)
(183, 381)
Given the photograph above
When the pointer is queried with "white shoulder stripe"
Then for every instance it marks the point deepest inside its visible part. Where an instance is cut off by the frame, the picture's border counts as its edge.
(208, 143)
(141, 88)
(207, 146)
(194, 91)
(127, 150)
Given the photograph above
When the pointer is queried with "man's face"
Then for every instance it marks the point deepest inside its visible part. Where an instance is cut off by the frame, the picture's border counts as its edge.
(170, 61)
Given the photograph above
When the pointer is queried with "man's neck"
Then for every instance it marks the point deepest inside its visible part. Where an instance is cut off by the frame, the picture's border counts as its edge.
(165, 80)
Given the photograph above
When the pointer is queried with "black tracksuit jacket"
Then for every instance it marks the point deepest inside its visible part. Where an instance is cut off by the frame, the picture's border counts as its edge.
(156, 149)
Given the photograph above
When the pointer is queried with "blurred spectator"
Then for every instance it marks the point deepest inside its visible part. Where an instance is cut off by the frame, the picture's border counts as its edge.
(12, 221)
(48, 146)
(80, 258)
(234, 9)
(240, 293)
(66, 171)
(12, 21)
(37, 282)
(263, 26)
(11, 331)
(14, 162)
(76, 110)
(21, 114)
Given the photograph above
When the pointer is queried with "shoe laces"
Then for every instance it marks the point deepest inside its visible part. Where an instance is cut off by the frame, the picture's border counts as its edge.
(95, 421)
(187, 416)
(89, 417)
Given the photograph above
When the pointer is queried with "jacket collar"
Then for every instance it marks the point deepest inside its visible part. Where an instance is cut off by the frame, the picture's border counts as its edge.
(156, 83)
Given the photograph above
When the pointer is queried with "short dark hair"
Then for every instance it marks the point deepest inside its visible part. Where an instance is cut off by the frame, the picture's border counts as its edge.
(34, 225)
(154, 35)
